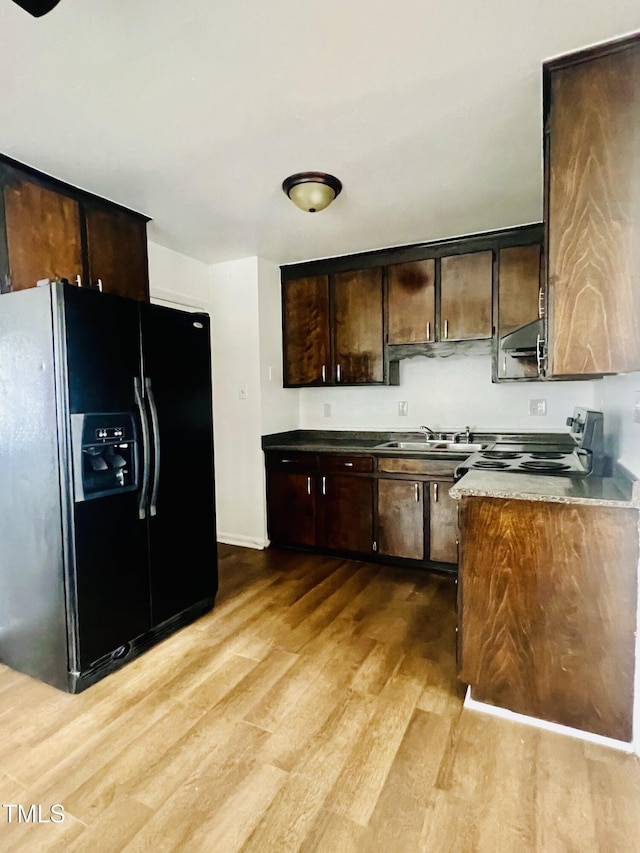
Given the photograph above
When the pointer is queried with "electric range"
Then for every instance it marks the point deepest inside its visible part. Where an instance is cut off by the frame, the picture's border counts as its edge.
(578, 454)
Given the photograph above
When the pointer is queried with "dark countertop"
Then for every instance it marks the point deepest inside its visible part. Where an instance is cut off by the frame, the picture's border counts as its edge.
(366, 441)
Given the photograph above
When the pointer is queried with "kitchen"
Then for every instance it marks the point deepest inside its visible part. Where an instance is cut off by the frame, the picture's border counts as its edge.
(243, 298)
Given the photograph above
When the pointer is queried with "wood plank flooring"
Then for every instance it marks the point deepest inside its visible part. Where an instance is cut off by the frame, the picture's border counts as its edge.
(314, 709)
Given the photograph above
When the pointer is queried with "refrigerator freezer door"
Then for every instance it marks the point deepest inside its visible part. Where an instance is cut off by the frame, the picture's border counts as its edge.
(111, 569)
(182, 534)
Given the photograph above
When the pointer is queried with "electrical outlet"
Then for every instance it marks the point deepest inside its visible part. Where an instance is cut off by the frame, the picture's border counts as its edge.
(326, 410)
(403, 408)
(537, 407)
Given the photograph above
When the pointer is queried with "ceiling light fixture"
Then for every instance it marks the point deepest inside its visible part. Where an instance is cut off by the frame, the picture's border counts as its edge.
(311, 191)
(37, 8)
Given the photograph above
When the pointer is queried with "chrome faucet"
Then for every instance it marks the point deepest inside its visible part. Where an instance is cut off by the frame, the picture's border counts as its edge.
(466, 433)
(428, 431)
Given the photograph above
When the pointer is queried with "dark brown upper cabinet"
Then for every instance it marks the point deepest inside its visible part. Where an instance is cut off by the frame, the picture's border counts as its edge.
(306, 336)
(466, 296)
(333, 329)
(117, 251)
(358, 327)
(592, 210)
(412, 302)
(43, 235)
(517, 302)
(51, 230)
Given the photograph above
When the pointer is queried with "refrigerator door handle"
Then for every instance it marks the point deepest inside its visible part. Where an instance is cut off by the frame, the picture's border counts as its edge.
(146, 450)
(155, 426)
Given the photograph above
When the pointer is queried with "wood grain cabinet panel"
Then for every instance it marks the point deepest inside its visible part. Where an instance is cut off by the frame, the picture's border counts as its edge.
(306, 337)
(411, 295)
(518, 304)
(291, 507)
(593, 212)
(117, 252)
(466, 296)
(401, 518)
(443, 523)
(345, 512)
(43, 234)
(548, 610)
(358, 326)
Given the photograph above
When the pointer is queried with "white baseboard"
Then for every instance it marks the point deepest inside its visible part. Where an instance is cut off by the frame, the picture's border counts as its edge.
(484, 708)
(242, 541)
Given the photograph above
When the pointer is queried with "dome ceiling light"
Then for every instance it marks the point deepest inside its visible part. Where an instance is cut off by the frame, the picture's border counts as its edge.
(311, 191)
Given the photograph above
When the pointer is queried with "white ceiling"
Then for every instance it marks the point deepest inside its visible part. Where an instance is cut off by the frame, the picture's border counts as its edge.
(194, 111)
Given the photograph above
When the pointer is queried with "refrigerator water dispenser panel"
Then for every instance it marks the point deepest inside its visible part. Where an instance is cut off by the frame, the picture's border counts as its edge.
(105, 455)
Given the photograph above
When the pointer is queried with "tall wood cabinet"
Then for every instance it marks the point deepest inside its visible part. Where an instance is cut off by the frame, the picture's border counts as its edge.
(592, 210)
(51, 230)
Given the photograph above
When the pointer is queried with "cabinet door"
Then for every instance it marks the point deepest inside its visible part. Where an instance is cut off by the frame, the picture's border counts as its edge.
(466, 288)
(549, 610)
(518, 304)
(306, 339)
(291, 507)
(117, 252)
(401, 519)
(443, 523)
(358, 326)
(43, 234)
(594, 215)
(345, 512)
(411, 289)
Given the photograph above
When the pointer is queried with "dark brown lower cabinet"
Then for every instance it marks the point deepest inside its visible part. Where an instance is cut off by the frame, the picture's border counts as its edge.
(345, 512)
(401, 519)
(291, 505)
(548, 597)
(443, 523)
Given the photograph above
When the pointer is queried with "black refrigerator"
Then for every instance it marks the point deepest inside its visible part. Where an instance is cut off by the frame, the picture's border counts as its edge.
(107, 520)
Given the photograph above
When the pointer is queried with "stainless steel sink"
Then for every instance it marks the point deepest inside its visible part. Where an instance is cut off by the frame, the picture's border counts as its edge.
(431, 445)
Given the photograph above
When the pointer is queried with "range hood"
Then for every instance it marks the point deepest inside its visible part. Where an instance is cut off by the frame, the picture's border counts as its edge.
(523, 342)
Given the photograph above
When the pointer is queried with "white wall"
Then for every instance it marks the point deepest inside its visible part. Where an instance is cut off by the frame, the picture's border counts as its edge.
(176, 278)
(280, 406)
(235, 338)
(619, 395)
(445, 393)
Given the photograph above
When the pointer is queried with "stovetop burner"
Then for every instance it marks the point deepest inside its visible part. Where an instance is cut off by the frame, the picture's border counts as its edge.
(500, 454)
(490, 463)
(543, 465)
(550, 454)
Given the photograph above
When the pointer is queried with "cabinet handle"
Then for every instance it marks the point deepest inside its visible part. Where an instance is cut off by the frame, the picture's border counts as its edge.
(504, 365)
(446, 329)
(324, 485)
(348, 464)
(324, 372)
(287, 460)
(540, 303)
(338, 373)
(539, 353)
(417, 488)
(428, 331)
(435, 492)
(100, 285)
(375, 545)
(308, 485)
(79, 280)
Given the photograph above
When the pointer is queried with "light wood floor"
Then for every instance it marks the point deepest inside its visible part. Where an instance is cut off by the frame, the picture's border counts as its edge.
(315, 709)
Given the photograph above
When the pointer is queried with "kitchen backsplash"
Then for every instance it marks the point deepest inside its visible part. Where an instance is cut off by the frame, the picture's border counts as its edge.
(446, 392)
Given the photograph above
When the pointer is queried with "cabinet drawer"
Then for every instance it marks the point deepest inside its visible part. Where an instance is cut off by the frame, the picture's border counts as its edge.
(345, 464)
(429, 467)
(283, 460)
